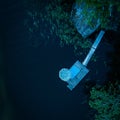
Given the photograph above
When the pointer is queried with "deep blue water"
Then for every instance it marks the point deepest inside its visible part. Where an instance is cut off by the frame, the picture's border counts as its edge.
(32, 72)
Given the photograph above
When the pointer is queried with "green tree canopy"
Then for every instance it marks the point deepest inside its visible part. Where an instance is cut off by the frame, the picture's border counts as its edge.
(107, 10)
(106, 101)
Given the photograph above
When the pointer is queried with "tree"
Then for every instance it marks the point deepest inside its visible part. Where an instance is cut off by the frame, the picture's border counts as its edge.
(106, 100)
(107, 10)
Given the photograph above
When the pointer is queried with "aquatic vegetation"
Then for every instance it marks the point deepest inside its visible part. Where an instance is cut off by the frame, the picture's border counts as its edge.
(38, 30)
(50, 23)
(55, 18)
(53, 24)
(106, 100)
(63, 27)
(94, 58)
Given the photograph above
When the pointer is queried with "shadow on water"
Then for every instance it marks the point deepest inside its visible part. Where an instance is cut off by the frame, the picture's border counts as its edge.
(114, 73)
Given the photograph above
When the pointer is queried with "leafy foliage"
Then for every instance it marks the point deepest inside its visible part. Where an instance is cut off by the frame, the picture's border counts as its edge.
(106, 101)
(54, 17)
(108, 11)
(58, 15)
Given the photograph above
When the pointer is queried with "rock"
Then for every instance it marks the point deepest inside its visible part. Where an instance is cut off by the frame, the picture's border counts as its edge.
(84, 20)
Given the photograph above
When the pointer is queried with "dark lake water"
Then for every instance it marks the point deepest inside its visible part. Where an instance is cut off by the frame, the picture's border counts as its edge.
(31, 72)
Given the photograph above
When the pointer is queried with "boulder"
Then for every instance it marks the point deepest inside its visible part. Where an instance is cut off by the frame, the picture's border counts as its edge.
(84, 20)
